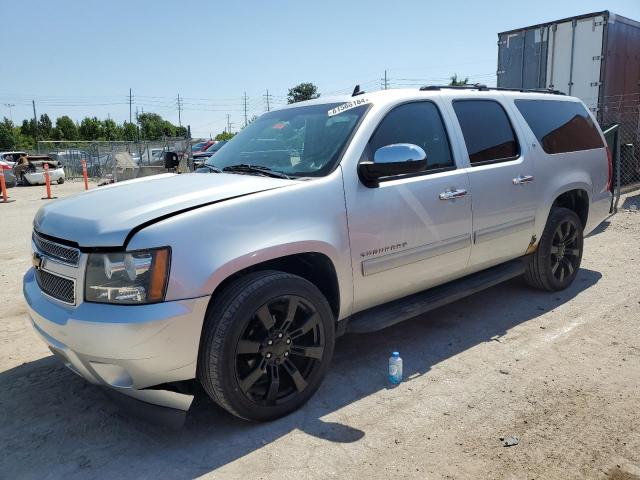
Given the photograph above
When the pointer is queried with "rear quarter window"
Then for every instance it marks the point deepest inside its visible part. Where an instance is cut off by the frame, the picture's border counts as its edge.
(560, 126)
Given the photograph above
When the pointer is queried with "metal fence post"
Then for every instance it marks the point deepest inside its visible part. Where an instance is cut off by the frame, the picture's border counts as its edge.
(114, 165)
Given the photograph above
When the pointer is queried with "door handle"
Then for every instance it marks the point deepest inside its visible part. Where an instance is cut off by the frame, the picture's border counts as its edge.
(451, 194)
(519, 180)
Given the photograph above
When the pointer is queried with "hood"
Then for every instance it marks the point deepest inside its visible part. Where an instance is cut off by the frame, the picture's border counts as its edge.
(104, 216)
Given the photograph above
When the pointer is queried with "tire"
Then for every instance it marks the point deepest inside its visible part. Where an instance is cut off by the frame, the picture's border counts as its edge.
(555, 263)
(60, 181)
(258, 361)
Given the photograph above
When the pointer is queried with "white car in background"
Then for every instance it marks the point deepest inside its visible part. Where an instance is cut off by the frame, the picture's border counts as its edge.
(34, 175)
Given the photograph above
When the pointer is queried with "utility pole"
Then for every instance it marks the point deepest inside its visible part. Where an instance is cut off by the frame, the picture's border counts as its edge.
(179, 111)
(268, 99)
(385, 81)
(228, 123)
(10, 106)
(245, 109)
(35, 124)
(130, 102)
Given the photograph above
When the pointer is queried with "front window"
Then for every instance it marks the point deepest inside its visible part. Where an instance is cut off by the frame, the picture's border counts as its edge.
(298, 141)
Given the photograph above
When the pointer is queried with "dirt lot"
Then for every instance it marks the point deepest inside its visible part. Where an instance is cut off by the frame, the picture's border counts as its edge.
(559, 371)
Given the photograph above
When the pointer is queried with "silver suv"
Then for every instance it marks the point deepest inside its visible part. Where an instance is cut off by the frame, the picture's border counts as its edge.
(344, 214)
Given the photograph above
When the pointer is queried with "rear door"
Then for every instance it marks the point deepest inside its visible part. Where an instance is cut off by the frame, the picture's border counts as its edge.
(501, 177)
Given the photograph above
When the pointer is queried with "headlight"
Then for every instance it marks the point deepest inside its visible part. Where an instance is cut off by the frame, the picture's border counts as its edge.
(136, 277)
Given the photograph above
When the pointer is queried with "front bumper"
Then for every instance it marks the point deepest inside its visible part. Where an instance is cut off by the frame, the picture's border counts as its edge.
(126, 348)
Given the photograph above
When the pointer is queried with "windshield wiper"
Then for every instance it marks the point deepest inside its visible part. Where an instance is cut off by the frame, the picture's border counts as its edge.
(212, 168)
(246, 168)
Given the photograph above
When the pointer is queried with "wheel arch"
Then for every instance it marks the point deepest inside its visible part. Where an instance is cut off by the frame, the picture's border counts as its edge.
(315, 266)
(573, 195)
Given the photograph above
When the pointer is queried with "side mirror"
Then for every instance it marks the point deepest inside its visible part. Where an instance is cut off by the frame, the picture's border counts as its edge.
(392, 160)
(171, 160)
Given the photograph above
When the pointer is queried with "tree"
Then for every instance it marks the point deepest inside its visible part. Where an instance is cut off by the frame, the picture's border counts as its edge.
(302, 92)
(129, 132)
(66, 128)
(224, 136)
(7, 135)
(154, 127)
(455, 82)
(45, 126)
(90, 129)
(111, 130)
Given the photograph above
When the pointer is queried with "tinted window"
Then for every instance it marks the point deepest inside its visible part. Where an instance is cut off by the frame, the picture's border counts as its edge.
(560, 126)
(417, 123)
(487, 131)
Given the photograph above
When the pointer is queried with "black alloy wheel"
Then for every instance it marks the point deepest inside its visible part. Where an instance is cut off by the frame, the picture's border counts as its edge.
(566, 251)
(267, 343)
(279, 349)
(556, 261)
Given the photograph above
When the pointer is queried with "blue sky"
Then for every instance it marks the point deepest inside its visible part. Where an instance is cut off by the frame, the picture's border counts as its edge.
(81, 57)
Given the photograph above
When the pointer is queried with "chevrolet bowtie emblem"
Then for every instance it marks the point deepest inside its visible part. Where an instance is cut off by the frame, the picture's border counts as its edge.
(36, 259)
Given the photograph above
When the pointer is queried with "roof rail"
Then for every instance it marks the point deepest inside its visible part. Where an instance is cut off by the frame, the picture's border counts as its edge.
(483, 88)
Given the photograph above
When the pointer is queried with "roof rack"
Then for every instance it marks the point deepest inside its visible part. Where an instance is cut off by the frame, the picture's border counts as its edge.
(483, 88)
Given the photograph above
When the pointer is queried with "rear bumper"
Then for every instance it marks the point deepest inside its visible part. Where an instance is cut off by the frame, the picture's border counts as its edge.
(125, 348)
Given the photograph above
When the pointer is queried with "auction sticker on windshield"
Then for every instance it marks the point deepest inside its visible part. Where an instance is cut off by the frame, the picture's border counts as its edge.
(347, 106)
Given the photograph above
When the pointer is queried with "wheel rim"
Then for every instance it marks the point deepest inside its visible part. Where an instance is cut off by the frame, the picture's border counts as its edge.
(565, 250)
(279, 350)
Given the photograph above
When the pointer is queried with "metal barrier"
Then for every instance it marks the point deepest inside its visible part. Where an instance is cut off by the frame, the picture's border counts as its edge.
(623, 112)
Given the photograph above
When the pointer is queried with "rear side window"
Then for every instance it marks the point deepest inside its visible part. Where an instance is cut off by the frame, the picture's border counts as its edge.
(559, 126)
(418, 123)
(487, 131)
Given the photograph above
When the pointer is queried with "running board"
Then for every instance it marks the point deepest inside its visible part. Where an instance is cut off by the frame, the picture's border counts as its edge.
(397, 311)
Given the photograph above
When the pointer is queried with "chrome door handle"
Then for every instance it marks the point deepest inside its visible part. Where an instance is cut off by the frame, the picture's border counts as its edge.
(519, 180)
(451, 194)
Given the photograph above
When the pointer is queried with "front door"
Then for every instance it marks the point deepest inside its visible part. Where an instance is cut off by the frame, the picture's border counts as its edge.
(410, 232)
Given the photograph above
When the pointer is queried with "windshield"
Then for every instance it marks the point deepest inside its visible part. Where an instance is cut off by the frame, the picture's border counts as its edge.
(299, 141)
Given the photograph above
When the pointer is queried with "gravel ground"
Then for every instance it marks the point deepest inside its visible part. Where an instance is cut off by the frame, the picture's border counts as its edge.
(561, 372)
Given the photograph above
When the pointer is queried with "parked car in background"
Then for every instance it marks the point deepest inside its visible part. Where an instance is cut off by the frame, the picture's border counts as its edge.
(202, 146)
(200, 158)
(341, 214)
(6, 169)
(11, 157)
(34, 173)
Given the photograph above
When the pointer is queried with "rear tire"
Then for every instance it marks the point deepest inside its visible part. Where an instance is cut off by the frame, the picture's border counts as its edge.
(60, 181)
(266, 345)
(557, 259)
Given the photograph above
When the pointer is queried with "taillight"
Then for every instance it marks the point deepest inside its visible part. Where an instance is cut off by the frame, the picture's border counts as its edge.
(610, 162)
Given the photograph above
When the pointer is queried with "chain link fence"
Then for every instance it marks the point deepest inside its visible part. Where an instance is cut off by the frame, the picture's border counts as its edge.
(624, 141)
(117, 160)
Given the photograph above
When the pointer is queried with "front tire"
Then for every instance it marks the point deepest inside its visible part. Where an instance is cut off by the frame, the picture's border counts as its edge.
(60, 181)
(557, 259)
(267, 344)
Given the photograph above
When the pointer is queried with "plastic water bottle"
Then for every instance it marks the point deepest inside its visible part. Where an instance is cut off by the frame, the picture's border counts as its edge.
(395, 368)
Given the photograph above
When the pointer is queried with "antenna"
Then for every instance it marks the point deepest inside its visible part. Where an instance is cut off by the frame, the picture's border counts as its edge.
(357, 91)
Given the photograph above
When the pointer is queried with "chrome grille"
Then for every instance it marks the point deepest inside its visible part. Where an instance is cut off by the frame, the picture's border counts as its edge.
(57, 287)
(68, 255)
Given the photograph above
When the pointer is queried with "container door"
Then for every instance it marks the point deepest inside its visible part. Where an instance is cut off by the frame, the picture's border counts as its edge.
(587, 57)
(559, 64)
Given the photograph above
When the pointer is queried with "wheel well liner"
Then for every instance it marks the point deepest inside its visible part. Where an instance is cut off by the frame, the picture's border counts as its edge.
(576, 200)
